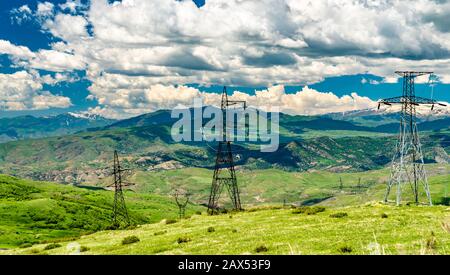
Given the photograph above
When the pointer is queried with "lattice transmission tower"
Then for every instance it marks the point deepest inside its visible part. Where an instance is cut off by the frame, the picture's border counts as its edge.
(224, 173)
(120, 216)
(407, 165)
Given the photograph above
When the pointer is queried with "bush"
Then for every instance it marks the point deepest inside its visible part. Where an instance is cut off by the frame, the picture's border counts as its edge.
(170, 221)
(444, 201)
(34, 251)
(160, 233)
(198, 212)
(223, 211)
(314, 210)
(261, 248)
(84, 248)
(308, 210)
(130, 239)
(345, 249)
(431, 241)
(183, 240)
(26, 245)
(211, 229)
(234, 230)
(384, 216)
(339, 215)
(52, 246)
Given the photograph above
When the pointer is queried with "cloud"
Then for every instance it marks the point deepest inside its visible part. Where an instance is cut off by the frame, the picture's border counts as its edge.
(307, 101)
(127, 46)
(45, 9)
(21, 14)
(51, 60)
(68, 27)
(23, 91)
(72, 6)
(144, 97)
(18, 52)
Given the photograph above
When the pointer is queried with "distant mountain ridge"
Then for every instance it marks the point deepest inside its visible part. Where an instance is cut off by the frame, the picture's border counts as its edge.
(372, 120)
(26, 127)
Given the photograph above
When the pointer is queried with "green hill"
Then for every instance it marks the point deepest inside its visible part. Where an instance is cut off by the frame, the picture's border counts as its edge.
(276, 186)
(38, 213)
(83, 157)
(25, 127)
(35, 212)
(368, 229)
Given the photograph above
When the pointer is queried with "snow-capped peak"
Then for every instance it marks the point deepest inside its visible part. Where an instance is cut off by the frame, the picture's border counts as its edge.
(84, 115)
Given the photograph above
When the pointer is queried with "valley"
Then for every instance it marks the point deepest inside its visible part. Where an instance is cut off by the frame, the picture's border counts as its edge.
(58, 190)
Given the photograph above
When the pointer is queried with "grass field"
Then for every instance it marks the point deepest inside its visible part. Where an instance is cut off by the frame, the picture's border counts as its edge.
(369, 229)
(275, 185)
(34, 212)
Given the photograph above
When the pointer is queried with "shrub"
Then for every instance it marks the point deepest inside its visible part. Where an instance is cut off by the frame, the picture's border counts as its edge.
(308, 210)
(52, 246)
(198, 212)
(183, 240)
(234, 230)
(223, 211)
(384, 215)
(130, 239)
(261, 248)
(230, 216)
(339, 215)
(34, 251)
(314, 210)
(444, 201)
(431, 241)
(211, 229)
(160, 233)
(112, 227)
(345, 249)
(26, 245)
(84, 248)
(170, 221)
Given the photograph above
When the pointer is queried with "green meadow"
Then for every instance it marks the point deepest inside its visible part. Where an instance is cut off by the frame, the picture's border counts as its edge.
(34, 215)
(372, 228)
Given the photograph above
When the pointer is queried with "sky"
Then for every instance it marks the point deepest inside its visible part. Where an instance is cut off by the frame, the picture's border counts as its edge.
(123, 58)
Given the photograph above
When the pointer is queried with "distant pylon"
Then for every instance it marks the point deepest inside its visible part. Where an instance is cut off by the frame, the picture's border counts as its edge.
(120, 213)
(407, 162)
(224, 173)
(181, 199)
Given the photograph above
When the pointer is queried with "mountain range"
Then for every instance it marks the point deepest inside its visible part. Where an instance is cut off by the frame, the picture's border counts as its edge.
(26, 127)
(80, 149)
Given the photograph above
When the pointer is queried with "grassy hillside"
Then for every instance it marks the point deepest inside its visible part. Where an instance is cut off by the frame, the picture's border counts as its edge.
(83, 157)
(33, 212)
(275, 186)
(369, 229)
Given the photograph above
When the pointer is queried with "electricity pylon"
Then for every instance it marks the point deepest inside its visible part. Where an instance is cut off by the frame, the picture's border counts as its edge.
(407, 162)
(224, 173)
(181, 202)
(120, 214)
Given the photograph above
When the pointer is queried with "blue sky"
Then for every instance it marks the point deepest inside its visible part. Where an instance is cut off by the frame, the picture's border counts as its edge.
(60, 52)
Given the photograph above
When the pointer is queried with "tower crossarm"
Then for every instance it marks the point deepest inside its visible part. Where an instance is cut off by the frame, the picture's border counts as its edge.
(412, 73)
(235, 102)
(414, 100)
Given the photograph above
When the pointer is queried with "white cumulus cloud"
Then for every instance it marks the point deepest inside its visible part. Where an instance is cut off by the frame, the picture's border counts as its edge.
(23, 91)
